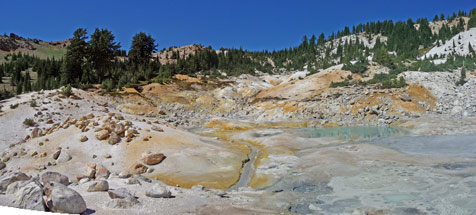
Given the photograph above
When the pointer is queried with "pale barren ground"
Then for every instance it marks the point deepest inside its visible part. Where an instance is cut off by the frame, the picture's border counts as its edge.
(209, 132)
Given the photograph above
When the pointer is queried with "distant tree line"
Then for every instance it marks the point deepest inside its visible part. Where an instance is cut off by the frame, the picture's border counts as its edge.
(98, 59)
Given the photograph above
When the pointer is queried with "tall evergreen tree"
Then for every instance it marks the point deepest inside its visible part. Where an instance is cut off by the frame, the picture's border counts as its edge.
(322, 39)
(102, 48)
(141, 49)
(75, 54)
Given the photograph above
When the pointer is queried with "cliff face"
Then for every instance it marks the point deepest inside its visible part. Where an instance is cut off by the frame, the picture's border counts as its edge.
(172, 54)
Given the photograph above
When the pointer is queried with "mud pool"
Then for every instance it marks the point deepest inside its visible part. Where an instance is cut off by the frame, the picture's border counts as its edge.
(385, 171)
(350, 132)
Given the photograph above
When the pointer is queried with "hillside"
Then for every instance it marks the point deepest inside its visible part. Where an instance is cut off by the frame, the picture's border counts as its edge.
(34, 47)
(457, 45)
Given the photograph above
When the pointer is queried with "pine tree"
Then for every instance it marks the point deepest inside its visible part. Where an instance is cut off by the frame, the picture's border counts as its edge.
(322, 39)
(76, 52)
(141, 49)
(19, 87)
(471, 50)
(27, 83)
(101, 49)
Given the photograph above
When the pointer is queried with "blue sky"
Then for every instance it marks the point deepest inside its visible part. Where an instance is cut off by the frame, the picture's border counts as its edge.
(254, 25)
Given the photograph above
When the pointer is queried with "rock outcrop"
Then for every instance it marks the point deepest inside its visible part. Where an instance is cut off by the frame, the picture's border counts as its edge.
(64, 200)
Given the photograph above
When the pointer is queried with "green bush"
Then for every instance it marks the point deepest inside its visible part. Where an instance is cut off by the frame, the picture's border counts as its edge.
(339, 84)
(388, 80)
(29, 122)
(33, 103)
(13, 106)
(67, 91)
(107, 85)
(394, 83)
(359, 67)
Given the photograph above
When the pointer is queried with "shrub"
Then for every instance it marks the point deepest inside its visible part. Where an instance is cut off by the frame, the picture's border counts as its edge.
(108, 85)
(394, 83)
(29, 122)
(13, 106)
(359, 67)
(339, 84)
(67, 91)
(33, 103)
(388, 80)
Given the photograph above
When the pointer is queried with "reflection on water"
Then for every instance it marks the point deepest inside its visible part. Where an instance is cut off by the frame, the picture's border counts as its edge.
(350, 132)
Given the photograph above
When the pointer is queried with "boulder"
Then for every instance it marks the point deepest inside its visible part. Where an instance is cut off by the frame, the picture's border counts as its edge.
(102, 185)
(124, 174)
(158, 191)
(137, 168)
(30, 196)
(56, 154)
(15, 186)
(119, 193)
(49, 177)
(102, 135)
(114, 139)
(102, 172)
(406, 98)
(127, 202)
(64, 200)
(156, 128)
(133, 181)
(2, 165)
(130, 133)
(83, 139)
(91, 170)
(153, 159)
(63, 157)
(35, 133)
(9, 178)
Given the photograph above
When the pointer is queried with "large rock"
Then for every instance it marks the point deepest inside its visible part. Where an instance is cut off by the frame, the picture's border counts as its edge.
(63, 157)
(83, 138)
(56, 154)
(153, 159)
(30, 197)
(137, 168)
(127, 202)
(406, 98)
(9, 178)
(158, 191)
(124, 174)
(114, 139)
(99, 186)
(102, 172)
(49, 177)
(119, 193)
(14, 187)
(102, 135)
(2, 165)
(91, 170)
(64, 200)
(156, 128)
(35, 133)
